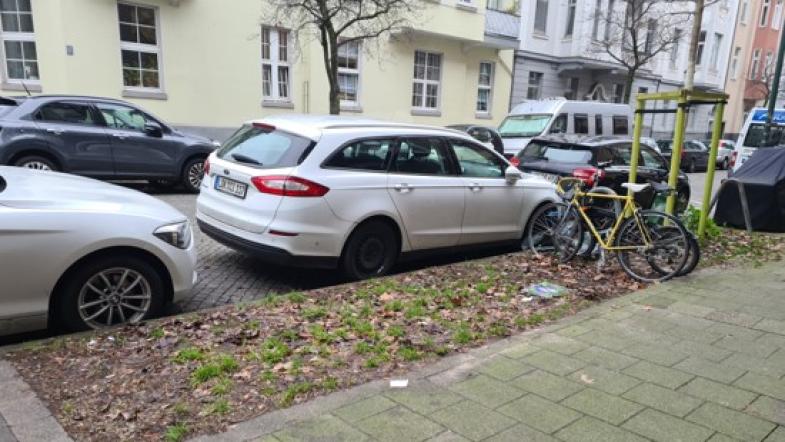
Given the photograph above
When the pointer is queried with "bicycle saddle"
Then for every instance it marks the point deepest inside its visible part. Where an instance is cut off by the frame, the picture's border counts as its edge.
(635, 187)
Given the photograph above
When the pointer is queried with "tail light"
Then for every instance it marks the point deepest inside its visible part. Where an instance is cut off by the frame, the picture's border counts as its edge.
(588, 175)
(733, 157)
(207, 166)
(515, 161)
(288, 186)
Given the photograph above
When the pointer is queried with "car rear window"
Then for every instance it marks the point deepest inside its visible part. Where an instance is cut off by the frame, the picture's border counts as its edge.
(558, 153)
(265, 147)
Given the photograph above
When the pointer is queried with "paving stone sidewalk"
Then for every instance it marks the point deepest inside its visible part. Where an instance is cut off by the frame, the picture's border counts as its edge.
(701, 358)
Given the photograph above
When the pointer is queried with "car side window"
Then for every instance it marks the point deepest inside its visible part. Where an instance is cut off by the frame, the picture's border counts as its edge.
(651, 159)
(477, 162)
(598, 124)
(480, 134)
(422, 156)
(622, 154)
(370, 155)
(123, 117)
(559, 125)
(66, 112)
(581, 122)
(620, 125)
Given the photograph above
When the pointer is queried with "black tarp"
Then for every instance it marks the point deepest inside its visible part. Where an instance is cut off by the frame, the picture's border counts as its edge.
(763, 176)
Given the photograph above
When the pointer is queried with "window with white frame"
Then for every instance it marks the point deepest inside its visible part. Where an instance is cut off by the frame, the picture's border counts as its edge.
(701, 44)
(484, 88)
(767, 66)
(595, 27)
(140, 46)
(745, 6)
(541, 17)
(571, 6)
(715, 51)
(608, 20)
(776, 19)
(276, 74)
(764, 13)
(18, 35)
(534, 90)
(734, 63)
(651, 35)
(573, 83)
(349, 73)
(675, 48)
(755, 64)
(427, 80)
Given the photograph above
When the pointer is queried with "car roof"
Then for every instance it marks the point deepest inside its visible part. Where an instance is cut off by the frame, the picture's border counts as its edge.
(19, 99)
(583, 140)
(553, 104)
(313, 126)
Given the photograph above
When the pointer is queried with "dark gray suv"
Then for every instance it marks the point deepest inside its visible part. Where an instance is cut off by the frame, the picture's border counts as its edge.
(100, 138)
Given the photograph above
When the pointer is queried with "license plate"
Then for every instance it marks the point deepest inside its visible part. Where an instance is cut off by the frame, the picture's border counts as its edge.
(231, 187)
(548, 176)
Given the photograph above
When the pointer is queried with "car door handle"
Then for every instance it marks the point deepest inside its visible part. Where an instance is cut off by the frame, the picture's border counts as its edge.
(475, 187)
(402, 188)
(120, 136)
(55, 131)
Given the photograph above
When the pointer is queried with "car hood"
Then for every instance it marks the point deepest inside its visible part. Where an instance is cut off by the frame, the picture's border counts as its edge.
(39, 190)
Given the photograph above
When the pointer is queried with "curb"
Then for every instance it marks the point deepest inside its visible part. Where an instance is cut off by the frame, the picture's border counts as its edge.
(23, 417)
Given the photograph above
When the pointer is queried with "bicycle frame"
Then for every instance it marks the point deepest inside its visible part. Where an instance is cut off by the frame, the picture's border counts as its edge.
(629, 207)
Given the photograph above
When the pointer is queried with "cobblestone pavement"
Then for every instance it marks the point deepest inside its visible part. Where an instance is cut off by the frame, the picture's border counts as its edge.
(701, 358)
(5, 432)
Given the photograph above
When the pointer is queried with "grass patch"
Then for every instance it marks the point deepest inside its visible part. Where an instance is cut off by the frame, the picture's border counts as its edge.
(296, 297)
(222, 387)
(313, 313)
(189, 354)
(273, 351)
(462, 335)
(224, 364)
(176, 432)
(321, 335)
(291, 393)
(415, 311)
(220, 406)
(330, 384)
(157, 333)
(396, 331)
(409, 354)
(395, 305)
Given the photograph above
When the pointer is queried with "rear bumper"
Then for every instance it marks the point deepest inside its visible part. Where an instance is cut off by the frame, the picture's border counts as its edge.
(264, 252)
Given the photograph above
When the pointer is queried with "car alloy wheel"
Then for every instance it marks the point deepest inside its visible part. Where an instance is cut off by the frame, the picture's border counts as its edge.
(37, 165)
(195, 174)
(114, 296)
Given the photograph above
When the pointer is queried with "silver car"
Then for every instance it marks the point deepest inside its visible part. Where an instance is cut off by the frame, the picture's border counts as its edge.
(80, 253)
(360, 194)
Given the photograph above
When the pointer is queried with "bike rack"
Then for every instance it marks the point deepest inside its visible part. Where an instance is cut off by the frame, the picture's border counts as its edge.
(745, 207)
(685, 98)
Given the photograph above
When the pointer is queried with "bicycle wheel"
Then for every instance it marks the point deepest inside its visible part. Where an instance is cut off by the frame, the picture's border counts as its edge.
(603, 213)
(552, 229)
(692, 258)
(664, 258)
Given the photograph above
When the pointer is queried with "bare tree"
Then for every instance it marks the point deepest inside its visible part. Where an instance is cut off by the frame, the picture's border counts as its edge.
(637, 31)
(335, 23)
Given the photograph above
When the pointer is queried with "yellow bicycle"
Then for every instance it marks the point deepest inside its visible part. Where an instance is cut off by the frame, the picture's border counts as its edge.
(650, 245)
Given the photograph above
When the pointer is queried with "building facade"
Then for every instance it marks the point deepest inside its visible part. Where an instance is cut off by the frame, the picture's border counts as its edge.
(558, 56)
(750, 74)
(209, 65)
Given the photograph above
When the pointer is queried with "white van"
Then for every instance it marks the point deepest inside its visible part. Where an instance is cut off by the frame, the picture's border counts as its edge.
(533, 118)
(751, 135)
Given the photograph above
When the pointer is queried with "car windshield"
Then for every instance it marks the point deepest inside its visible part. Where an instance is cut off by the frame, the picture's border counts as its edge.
(756, 136)
(524, 125)
(265, 147)
(559, 153)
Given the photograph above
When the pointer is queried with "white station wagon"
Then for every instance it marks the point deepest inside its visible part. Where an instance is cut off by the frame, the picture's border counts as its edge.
(358, 194)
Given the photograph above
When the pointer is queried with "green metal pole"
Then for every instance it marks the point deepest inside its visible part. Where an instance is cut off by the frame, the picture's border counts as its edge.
(716, 133)
(678, 140)
(775, 85)
(636, 142)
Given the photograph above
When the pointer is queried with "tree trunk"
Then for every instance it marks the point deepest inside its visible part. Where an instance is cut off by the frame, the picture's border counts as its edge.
(628, 85)
(329, 42)
(697, 19)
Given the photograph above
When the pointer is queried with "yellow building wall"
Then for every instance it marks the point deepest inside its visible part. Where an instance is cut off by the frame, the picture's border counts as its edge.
(211, 67)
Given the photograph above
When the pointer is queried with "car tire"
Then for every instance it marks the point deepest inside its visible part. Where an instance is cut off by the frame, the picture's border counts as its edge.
(193, 172)
(691, 167)
(371, 251)
(725, 164)
(91, 297)
(36, 162)
(682, 199)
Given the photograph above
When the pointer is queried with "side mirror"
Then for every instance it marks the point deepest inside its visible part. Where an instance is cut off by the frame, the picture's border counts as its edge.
(512, 174)
(153, 130)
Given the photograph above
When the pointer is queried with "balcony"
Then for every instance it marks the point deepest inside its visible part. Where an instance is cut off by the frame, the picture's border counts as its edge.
(502, 29)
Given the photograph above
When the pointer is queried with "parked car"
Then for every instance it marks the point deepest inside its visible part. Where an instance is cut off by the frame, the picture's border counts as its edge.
(100, 138)
(724, 152)
(557, 115)
(79, 253)
(360, 194)
(608, 158)
(487, 136)
(694, 155)
(754, 135)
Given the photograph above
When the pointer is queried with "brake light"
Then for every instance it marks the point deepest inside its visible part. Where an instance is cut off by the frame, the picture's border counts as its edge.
(263, 126)
(733, 157)
(207, 166)
(288, 186)
(515, 161)
(588, 175)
